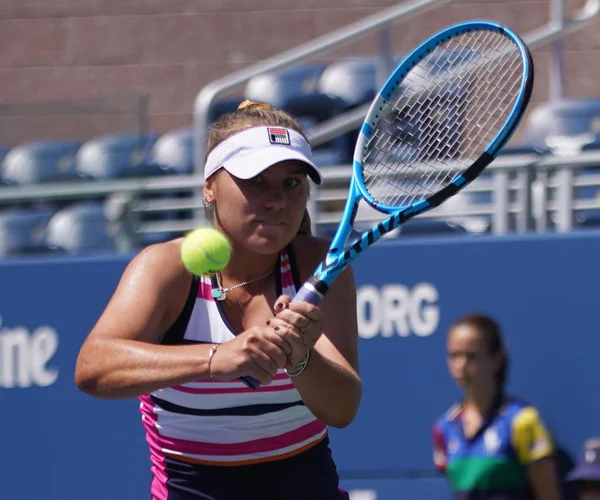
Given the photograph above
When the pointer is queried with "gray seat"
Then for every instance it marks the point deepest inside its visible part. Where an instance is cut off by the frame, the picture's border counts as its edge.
(564, 127)
(23, 231)
(3, 152)
(81, 228)
(312, 109)
(222, 106)
(431, 227)
(175, 151)
(278, 87)
(115, 156)
(43, 161)
(354, 81)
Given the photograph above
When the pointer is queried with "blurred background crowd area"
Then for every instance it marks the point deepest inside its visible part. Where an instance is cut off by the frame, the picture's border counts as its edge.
(101, 112)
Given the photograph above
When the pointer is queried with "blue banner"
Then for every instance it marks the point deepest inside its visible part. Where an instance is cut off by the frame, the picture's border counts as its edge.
(542, 288)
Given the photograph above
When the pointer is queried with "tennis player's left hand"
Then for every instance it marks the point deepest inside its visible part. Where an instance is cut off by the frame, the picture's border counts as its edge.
(299, 323)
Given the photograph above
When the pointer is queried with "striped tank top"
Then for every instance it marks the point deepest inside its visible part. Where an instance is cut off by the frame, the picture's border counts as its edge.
(217, 423)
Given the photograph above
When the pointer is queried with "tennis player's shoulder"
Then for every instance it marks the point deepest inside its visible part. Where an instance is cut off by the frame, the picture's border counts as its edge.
(310, 248)
(161, 262)
(450, 414)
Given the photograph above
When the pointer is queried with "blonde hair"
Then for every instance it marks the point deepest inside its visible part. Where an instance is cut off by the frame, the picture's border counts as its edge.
(254, 114)
(249, 114)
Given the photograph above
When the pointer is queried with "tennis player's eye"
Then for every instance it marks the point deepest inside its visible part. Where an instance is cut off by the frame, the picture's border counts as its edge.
(291, 182)
(257, 179)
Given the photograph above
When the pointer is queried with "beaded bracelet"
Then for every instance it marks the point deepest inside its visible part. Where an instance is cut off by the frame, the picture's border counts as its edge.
(300, 367)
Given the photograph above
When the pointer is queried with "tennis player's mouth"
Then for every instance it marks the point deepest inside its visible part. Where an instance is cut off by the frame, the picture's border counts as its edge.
(270, 223)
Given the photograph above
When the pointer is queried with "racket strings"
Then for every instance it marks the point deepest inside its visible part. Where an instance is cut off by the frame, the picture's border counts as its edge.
(442, 117)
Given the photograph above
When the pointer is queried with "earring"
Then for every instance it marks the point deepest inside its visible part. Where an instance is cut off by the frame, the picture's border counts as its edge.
(208, 203)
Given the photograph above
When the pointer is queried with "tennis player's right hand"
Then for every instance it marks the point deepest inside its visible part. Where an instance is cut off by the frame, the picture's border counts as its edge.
(258, 352)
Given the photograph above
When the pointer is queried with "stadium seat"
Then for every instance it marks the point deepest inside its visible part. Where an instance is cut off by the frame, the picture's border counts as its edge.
(23, 231)
(175, 151)
(312, 109)
(354, 81)
(81, 228)
(415, 227)
(276, 88)
(44, 161)
(126, 217)
(431, 227)
(564, 127)
(3, 152)
(115, 156)
(589, 220)
(222, 106)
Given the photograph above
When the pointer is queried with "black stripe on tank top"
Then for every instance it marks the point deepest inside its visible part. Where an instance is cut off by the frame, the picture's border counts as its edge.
(278, 289)
(248, 410)
(176, 331)
(294, 267)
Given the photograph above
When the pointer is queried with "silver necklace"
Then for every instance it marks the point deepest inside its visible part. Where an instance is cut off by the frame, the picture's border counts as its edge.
(220, 293)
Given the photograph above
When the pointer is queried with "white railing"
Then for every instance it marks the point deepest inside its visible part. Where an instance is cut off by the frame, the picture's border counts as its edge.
(523, 192)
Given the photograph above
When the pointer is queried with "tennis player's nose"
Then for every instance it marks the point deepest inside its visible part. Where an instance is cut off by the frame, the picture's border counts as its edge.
(460, 363)
(275, 198)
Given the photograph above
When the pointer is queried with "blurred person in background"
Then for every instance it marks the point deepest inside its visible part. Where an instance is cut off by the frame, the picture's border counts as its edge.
(180, 343)
(586, 473)
(491, 445)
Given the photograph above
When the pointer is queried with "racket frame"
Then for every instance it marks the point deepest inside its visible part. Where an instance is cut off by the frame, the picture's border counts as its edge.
(336, 261)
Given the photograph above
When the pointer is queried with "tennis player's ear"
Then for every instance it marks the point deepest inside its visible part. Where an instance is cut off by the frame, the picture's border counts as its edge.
(282, 303)
(209, 191)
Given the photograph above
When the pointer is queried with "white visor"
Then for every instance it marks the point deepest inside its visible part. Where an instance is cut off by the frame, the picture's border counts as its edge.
(249, 152)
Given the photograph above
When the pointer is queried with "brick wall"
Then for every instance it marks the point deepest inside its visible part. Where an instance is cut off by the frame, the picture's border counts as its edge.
(77, 68)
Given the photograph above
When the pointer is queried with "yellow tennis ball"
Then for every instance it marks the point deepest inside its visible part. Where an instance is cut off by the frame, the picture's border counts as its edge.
(205, 251)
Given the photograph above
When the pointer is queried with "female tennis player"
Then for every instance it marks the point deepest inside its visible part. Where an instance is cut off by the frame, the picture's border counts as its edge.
(181, 344)
(491, 445)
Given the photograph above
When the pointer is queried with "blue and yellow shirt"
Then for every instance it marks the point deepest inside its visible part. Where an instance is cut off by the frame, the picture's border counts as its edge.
(492, 464)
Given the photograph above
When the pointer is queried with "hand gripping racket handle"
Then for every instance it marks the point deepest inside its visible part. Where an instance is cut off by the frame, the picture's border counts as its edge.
(313, 292)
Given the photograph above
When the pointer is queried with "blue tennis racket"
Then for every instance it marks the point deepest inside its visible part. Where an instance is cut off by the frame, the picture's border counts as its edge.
(442, 116)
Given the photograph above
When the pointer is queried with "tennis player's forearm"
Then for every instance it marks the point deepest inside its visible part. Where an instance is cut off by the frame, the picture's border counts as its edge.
(120, 369)
(331, 392)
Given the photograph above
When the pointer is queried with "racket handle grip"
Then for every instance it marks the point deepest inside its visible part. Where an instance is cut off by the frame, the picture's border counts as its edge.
(251, 382)
(312, 291)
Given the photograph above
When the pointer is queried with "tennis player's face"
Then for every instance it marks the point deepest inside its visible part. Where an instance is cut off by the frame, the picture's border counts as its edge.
(264, 213)
(470, 362)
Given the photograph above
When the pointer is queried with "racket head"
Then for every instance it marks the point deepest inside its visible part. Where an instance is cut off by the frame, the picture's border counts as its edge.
(471, 79)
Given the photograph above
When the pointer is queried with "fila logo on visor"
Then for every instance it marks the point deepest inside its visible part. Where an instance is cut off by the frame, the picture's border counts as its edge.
(278, 136)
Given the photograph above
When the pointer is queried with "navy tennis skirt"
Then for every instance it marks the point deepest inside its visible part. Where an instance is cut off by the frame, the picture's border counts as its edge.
(311, 475)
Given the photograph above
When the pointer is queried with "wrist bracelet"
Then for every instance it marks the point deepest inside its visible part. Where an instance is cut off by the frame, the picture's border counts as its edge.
(300, 367)
(211, 353)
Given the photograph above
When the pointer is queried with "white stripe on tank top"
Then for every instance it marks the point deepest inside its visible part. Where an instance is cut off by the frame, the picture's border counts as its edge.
(226, 423)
